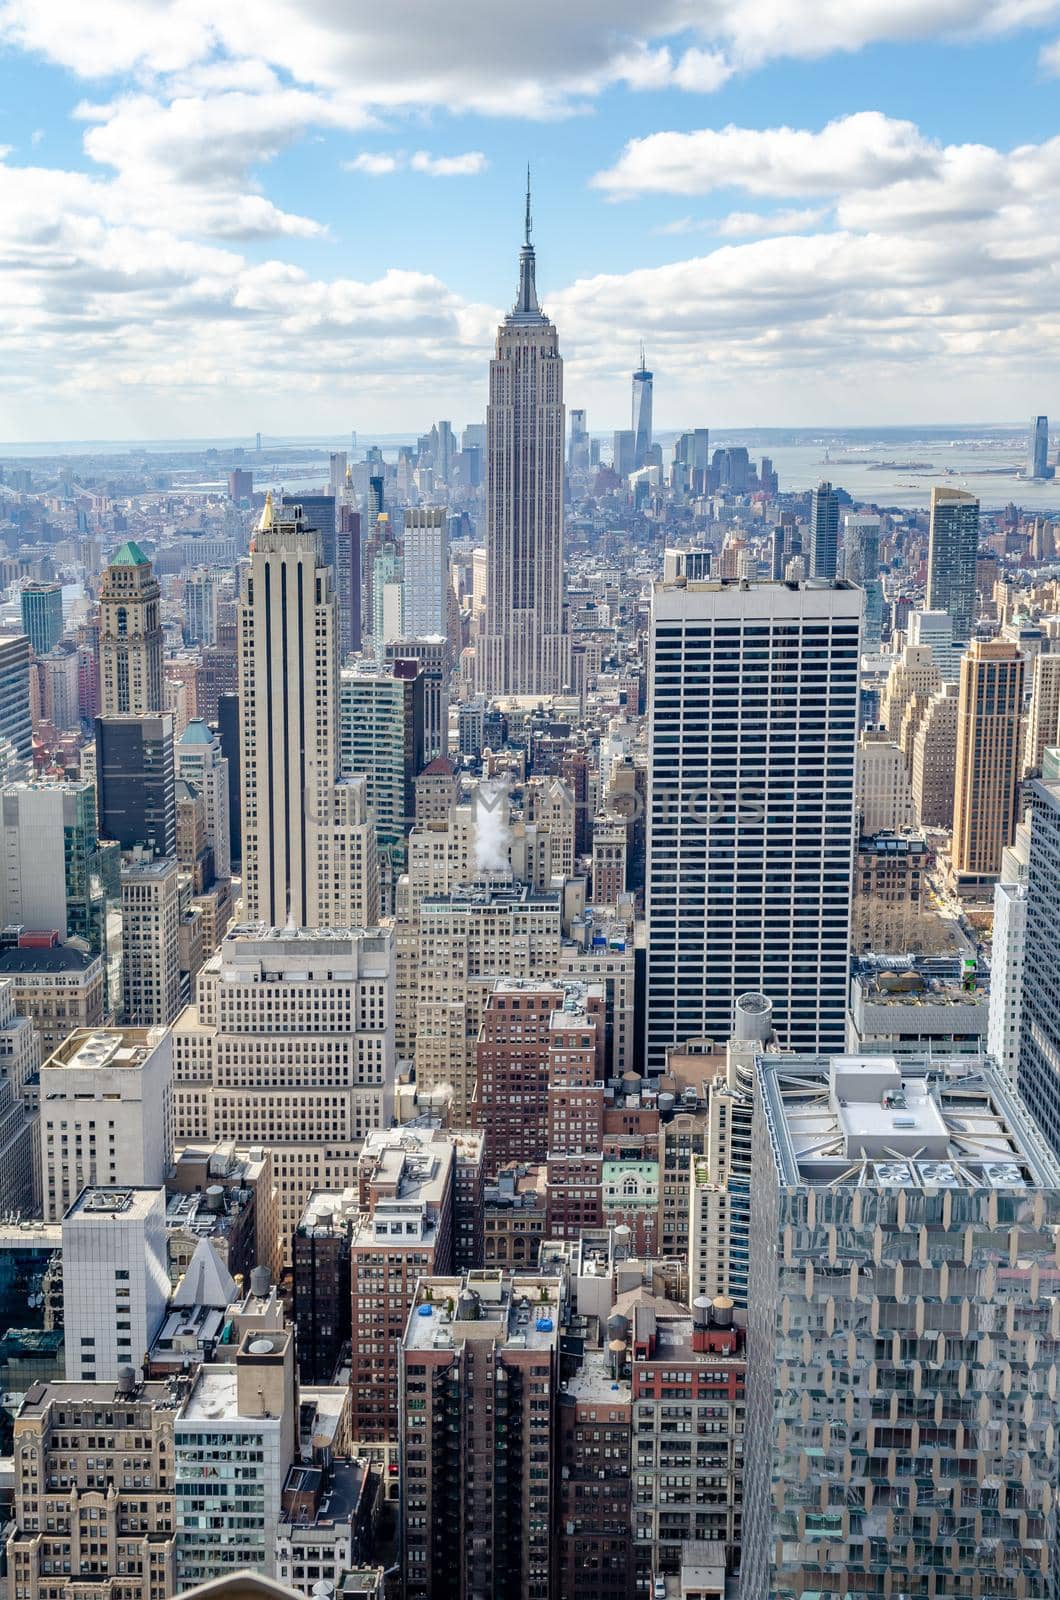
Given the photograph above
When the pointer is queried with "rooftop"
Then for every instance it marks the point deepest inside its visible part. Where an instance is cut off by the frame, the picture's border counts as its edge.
(129, 554)
(89, 1049)
(115, 1201)
(878, 1121)
(594, 1381)
(520, 1313)
(53, 958)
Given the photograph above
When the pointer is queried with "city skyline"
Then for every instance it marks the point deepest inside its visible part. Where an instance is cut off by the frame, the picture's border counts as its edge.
(186, 208)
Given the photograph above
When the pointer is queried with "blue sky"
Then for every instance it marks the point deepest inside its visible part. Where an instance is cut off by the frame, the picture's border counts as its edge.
(305, 217)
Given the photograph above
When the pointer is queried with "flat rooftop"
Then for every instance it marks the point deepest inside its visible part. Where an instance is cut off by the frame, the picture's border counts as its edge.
(92, 1048)
(912, 1122)
(116, 1202)
(593, 1381)
(520, 1313)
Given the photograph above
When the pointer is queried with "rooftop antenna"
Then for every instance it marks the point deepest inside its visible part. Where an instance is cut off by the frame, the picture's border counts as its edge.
(526, 234)
(642, 368)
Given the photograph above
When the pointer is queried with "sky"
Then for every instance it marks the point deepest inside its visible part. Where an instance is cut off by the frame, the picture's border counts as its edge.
(303, 216)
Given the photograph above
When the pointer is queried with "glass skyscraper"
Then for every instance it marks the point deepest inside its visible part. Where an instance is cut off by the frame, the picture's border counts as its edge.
(642, 407)
(902, 1386)
(953, 545)
(42, 615)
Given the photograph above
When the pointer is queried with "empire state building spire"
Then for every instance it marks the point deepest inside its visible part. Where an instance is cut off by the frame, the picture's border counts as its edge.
(526, 308)
(524, 648)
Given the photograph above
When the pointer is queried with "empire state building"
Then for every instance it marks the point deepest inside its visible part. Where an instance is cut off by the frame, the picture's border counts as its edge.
(524, 649)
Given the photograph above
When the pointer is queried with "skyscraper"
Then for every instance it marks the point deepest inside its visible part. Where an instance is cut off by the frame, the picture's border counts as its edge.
(642, 402)
(426, 572)
(524, 648)
(903, 1216)
(299, 818)
(988, 757)
(1038, 449)
(953, 543)
(42, 615)
(130, 636)
(861, 549)
(824, 532)
(16, 727)
(752, 739)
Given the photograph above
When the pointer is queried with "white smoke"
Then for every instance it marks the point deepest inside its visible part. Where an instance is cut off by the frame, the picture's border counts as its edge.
(491, 827)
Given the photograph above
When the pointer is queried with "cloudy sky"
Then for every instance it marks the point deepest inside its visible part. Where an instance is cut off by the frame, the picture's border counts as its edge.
(304, 215)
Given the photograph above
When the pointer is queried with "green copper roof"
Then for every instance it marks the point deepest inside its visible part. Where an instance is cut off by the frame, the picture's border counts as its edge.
(130, 555)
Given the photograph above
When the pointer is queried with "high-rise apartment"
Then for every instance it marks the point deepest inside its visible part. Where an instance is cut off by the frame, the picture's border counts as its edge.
(42, 615)
(200, 762)
(642, 414)
(106, 1113)
(953, 543)
(883, 795)
(752, 740)
(479, 1386)
(290, 1044)
(524, 648)
(1043, 718)
(824, 532)
(935, 758)
(434, 660)
(200, 607)
(886, 1448)
(1008, 952)
(297, 814)
(988, 757)
(130, 636)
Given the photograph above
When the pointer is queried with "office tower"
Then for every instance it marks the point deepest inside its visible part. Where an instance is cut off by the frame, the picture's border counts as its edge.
(935, 630)
(1037, 450)
(105, 1448)
(433, 657)
(130, 636)
(106, 1114)
(882, 791)
(988, 756)
(240, 484)
(524, 648)
(135, 782)
(1043, 719)
(199, 761)
(824, 532)
(150, 922)
(19, 1063)
(468, 938)
(578, 446)
(913, 674)
(50, 856)
(57, 987)
(228, 733)
(200, 607)
(59, 676)
(234, 1441)
(610, 846)
(321, 1255)
(337, 470)
(300, 822)
(381, 737)
(476, 1503)
(861, 551)
(953, 544)
(1039, 1035)
(752, 739)
(642, 419)
(935, 759)
(16, 725)
(42, 615)
(339, 529)
(624, 451)
(1007, 957)
(869, 1176)
(426, 570)
(290, 1044)
(115, 1278)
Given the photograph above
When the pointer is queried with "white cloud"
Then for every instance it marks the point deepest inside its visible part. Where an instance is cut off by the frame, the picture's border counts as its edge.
(702, 71)
(375, 166)
(866, 150)
(741, 224)
(467, 165)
